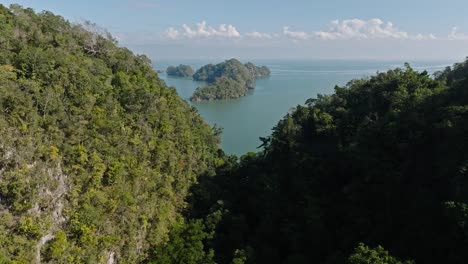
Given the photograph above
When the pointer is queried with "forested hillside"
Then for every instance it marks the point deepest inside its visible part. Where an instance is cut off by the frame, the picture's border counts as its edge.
(382, 161)
(96, 153)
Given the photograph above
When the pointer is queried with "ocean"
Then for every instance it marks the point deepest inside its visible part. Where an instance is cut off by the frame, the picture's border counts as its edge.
(291, 83)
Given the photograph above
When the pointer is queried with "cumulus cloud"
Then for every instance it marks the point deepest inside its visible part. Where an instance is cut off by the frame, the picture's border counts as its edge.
(455, 35)
(172, 33)
(361, 29)
(258, 35)
(295, 35)
(348, 29)
(202, 30)
(367, 29)
(424, 37)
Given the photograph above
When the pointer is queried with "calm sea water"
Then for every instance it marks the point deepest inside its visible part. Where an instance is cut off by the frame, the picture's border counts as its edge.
(291, 83)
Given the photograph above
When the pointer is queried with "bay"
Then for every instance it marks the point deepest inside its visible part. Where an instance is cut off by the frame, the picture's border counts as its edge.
(291, 83)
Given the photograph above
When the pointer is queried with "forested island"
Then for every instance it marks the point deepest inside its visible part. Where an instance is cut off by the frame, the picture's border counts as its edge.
(180, 71)
(227, 80)
(101, 162)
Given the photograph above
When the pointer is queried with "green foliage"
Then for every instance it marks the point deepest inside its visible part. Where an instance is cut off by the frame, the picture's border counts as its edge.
(29, 227)
(96, 154)
(227, 80)
(222, 88)
(180, 71)
(240, 257)
(257, 72)
(185, 245)
(365, 255)
(382, 160)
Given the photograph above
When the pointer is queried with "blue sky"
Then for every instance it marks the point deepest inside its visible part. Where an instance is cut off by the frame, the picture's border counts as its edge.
(361, 29)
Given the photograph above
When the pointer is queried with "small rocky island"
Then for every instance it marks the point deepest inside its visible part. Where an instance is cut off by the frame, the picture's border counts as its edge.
(180, 71)
(227, 80)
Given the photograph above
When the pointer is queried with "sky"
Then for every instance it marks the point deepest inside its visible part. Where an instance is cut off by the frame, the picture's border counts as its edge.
(276, 29)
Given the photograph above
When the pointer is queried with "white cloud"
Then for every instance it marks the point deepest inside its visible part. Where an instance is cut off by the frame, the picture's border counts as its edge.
(348, 29)
(424, 37)
(258, 35)
(361, 29)
(172, 33)
(202, 30)
(455, 35)
(295, 35)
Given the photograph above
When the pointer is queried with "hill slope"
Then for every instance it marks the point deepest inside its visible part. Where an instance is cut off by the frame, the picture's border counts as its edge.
(381, 161)
(97, 153)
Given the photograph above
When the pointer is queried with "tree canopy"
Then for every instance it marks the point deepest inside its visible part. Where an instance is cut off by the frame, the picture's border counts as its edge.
(227, 80)
(97, 154)
(382, 161)
(180, 71)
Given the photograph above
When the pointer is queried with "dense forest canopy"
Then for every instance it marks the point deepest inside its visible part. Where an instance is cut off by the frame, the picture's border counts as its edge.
(101, 162)
(256, 71)
(227, 80)
(97, 154)
(382, 161)
(180, 71)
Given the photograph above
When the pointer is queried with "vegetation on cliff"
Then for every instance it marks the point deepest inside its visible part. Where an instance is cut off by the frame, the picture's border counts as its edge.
(257, 72)
(222, 88)
(180, 71)
(227, 80)
(97, 154)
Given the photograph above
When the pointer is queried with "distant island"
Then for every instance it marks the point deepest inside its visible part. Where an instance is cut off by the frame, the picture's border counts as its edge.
(257, 72)
(227, 80)
(179, 71)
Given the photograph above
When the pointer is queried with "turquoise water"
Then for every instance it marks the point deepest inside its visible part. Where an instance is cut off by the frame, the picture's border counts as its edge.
(291, 83)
